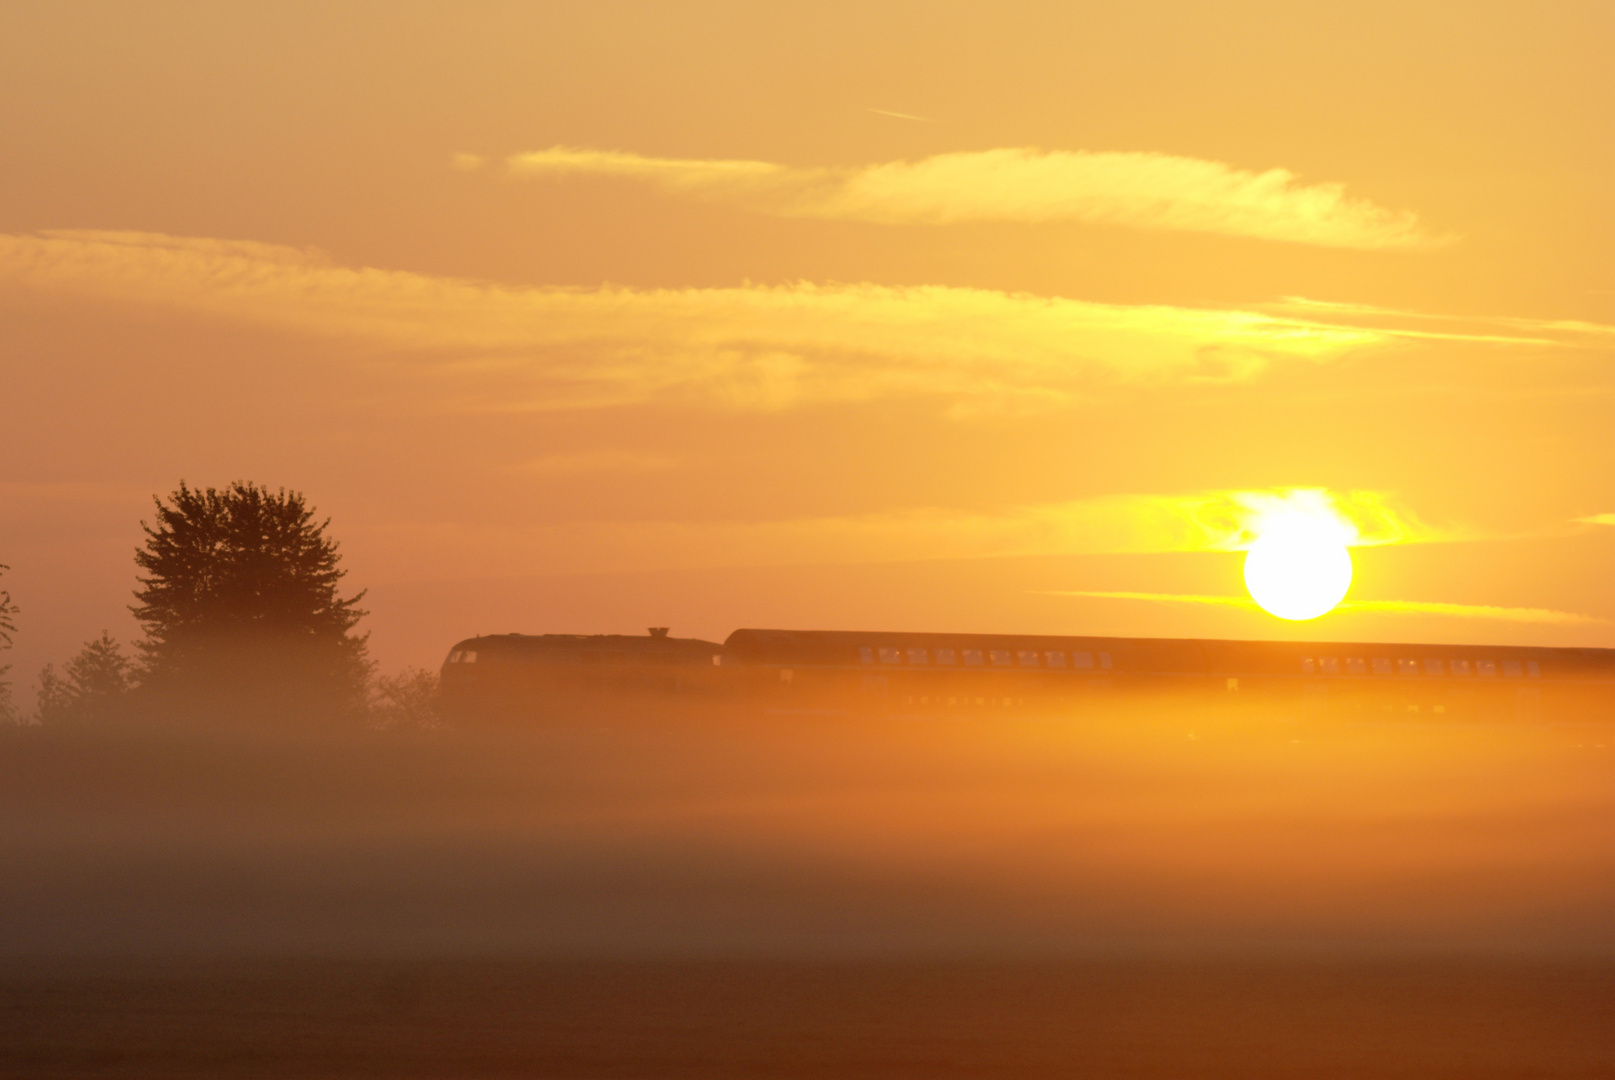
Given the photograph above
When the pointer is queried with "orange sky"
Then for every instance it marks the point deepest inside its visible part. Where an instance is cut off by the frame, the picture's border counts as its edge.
(907, 316)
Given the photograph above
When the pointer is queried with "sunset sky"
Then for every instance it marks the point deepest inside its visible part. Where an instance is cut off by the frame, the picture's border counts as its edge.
(590, 317)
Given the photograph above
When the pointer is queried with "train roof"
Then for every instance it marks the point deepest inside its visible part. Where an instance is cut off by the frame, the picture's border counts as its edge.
(1144, 655)
(538, 643)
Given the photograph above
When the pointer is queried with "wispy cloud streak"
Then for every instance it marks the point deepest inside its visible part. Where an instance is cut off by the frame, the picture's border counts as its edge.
(1136, 190)
(904, 116)
(1474, 611)
(1117, 524)
(1243, 602)
(1540, 616)
(487, 346)
(1475, 329)
(587, 462)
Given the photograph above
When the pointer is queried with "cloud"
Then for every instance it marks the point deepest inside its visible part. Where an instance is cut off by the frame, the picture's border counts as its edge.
(1362, 518)
(1475, 329)
(597, 461)
(1116, 524)
(1137, 190)
(1474, 611)
(72, 491)
(1243, 602)
(1599, 519)
(904, 116)
(468, 162)
(1540, 616)
(481, 346)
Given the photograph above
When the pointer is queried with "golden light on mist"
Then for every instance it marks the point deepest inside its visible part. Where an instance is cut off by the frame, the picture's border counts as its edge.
(1298, 568)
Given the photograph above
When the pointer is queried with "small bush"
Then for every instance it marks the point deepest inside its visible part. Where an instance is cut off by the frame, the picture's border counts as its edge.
(409, 700)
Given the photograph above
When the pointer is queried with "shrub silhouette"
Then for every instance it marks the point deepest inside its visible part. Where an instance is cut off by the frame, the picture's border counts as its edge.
(242, 615)
(410, 700)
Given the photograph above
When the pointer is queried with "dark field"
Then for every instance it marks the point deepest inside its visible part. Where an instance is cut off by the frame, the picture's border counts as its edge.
(648, 894)
(1465, 1020)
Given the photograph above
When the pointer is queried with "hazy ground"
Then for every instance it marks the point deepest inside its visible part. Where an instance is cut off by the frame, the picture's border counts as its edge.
(1342, 1021)
(643, 893)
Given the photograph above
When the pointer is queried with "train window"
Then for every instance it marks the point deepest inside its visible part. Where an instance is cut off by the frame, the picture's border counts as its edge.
(1104, 660)
(1054, 659)
(1458, 667)
(1309, 666)
(1001, 657)
(1383, 666)
(866, 655)
(1329, 665)
(1407, 667)
(1355, 666)
(1511, 669)
(468, 657)
(1082, 659)
(1433, 667)
(1486, 667)
(1027, 657)
(918, 656)
(454, 657)
(891, 656)
(1533, 669)
(945, 656)
(972, 657)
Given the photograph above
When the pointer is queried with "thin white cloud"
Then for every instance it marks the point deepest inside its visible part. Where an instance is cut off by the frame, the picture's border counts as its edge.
(1478, 329)
(1116, 524)
(1136, 190)
(486, 346)
(1490, 612)
(1242, 602)
(904, 116)
(597, 461)
(1598, 519)
(1362, 518)
(1474, 611)
(72, 491)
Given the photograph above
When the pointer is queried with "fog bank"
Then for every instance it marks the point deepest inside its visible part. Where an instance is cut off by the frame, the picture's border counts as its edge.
(640, 832)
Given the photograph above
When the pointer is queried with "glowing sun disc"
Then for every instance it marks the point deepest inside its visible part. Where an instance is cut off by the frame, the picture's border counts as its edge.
(1298, 571)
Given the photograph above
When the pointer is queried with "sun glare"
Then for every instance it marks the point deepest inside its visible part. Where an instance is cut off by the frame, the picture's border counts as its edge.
(1298, 568)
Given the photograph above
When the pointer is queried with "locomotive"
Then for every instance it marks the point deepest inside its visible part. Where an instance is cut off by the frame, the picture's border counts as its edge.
(514, 676)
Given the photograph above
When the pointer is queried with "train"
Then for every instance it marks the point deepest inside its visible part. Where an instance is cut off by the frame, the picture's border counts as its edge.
(505, 677)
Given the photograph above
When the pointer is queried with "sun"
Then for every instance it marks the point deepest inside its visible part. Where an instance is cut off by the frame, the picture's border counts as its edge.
(1299, 567)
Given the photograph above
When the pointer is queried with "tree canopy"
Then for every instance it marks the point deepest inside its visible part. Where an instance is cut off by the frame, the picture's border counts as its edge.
(240, 602)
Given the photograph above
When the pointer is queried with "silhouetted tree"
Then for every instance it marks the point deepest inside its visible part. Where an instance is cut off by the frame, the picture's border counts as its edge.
(8, 612)
(92, 689)
(8, 626)
(53, 702)
(241, 607)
